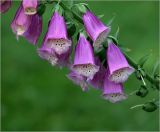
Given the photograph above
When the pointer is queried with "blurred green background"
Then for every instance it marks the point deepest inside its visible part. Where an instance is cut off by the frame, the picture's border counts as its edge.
(37, 96)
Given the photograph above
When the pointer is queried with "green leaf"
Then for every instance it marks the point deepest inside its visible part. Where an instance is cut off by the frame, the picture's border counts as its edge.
(49, 1)
(142, 60)
(117, 33)
(69, 3)
(100, 16)
(149, 107)
(125, 49)
(81, 8)
(59, 9)
(156, 68)
(41, 9)
(111, 21)
(115, 41)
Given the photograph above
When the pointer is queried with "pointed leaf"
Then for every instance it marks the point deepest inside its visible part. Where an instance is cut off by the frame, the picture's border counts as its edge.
(81, 7)
(115, 41)
(117, 33)
(100, 16)
(142, 61)
(111, 21)
(156, 67)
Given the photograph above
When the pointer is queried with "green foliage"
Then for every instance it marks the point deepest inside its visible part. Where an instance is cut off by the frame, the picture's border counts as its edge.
(34, 97)
(142, 92)
(143, 59)
(41, 9)
(81, 7)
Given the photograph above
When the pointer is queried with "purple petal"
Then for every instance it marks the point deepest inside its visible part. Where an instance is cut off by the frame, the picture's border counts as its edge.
(95, 29)
(119, 69)
(84, 63)
(21, 22)
(57, 38)
(34, 30)
(79, 80)
(113, 91)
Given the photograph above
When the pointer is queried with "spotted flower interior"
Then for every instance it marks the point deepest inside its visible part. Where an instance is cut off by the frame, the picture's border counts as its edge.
(121, 75)
(87, 70)
(60, 46)
(30, 11)
(115, 97)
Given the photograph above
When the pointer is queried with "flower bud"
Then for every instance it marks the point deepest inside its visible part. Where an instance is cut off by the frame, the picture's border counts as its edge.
(142, 92)
(149, 107)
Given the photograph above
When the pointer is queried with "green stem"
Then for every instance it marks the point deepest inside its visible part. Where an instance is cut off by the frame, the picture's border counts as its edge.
(130, 60)
(75, 15)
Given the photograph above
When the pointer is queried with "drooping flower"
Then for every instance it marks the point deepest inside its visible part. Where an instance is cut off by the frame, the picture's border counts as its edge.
(95, 29)
(84, 63)
(52, 57)
(30, 6)
(113, 92)
(29, 27)
(48, 54)
(98, 79)
(119, 69)
(5, 5)
(78, 80)
(57, 38)
(21, 22)
(34, 30)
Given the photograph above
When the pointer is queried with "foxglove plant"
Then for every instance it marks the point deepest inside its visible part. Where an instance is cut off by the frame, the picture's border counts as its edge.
(57, 38)
(30, 6)
(119, 69)
(113, 92)
(95, 29)
(5, 5)
(29, 27)
(96, 63)
(84, 63)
